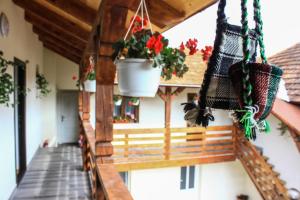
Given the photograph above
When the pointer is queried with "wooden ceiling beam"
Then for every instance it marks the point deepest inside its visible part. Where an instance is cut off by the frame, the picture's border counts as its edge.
(44, 24)
(59, 38)
(60, 44)
(52, 16)
(76, 8)
(161, 13)
(62, 52)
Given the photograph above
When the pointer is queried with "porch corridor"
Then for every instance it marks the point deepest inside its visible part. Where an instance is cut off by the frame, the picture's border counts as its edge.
(55, 173)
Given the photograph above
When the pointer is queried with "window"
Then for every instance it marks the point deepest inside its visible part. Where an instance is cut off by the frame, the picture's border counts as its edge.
(124, 176)
(126, 109)
(187, 177)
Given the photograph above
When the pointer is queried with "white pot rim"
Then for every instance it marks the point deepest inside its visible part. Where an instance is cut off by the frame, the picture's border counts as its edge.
(134, 60)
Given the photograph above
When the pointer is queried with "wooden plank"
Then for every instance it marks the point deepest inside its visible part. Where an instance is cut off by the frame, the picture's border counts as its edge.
(139, 131)
(60, 44)
(62, 53)
(52, 16)
(86, 106)
(161, 13)
(194, 149)
(77, 9)
(60, 37)
(138, 145)
(138, 139)
(168, 103)
(44, 24)
(201, 129)
(171, 163)
(112, 183)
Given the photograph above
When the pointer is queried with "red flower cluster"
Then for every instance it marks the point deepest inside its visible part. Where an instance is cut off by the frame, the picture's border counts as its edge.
(155, 43)
(206, 53)
(74, 78)
(191, 45)
(137, 24)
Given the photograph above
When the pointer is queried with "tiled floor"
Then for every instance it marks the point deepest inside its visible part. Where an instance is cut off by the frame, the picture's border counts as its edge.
(56, 174)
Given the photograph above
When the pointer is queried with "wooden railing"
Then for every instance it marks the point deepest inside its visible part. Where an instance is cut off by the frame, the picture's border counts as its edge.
(150, 148)
(262, 175)
(107, 184)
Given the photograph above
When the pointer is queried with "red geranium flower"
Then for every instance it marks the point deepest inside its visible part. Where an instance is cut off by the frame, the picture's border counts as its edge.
(138, 24)
(155, 43)
(74, 78)
(181, 47)
(206, 53)
(192, 46)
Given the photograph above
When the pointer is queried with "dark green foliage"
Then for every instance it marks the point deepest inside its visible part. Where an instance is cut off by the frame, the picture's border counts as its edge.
(42, 85)
(283, 128)
(6, 81)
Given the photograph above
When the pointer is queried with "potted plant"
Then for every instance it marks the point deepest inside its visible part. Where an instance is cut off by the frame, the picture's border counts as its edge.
(146, 56)
(90, 82)
(134, 101)
(6, 81)
(42, 85)
(117, 100)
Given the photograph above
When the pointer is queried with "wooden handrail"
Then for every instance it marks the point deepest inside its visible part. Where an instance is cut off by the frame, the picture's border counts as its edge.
(107, 183)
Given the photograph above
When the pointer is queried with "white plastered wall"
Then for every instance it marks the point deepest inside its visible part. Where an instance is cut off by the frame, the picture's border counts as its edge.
(23, 44)
(59, 72)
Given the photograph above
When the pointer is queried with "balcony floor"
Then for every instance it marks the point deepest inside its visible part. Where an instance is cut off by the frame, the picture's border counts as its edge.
(55, 173)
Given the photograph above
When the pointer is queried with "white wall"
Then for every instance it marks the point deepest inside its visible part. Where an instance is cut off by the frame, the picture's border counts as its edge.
(226, 181)
(23, 44)
(59, 72)
(212, 182)
(282, 152)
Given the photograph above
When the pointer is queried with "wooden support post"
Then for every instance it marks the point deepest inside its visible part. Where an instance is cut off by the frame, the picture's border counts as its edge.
(86, 106)
(104, 120)
(168, 102)
(80, 101)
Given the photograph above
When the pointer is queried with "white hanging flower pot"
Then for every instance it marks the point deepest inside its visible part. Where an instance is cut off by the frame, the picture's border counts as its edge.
(137, 77)
(90, 86)
(118, 102)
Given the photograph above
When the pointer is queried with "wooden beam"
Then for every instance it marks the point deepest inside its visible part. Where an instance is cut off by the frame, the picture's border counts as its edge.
(60, 44)
(62, 53)
(168, 103)
(62, 48)
(161, 13)
(77, 9)
(85, 106)
(52, 16)
(67, 40)
(45, 24)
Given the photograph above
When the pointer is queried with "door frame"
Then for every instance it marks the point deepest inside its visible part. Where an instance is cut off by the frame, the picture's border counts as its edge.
(20, 111)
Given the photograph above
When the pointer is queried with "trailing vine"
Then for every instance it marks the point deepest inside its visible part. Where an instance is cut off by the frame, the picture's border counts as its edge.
(6, 81)
(42, 85)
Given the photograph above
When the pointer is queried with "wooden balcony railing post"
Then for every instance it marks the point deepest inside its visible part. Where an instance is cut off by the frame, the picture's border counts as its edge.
(168, 103)
(85, 106)
(80, 95)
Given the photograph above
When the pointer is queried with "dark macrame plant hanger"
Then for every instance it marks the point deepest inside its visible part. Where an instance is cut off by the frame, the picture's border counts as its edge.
(217, 90)
(260, 81)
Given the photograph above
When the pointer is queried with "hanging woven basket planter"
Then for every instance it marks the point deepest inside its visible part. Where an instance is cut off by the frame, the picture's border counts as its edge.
(264, 79)
(256, 84)
(138, 77)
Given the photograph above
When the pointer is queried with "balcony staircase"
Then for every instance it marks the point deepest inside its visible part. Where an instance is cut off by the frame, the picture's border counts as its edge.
(261, 172)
